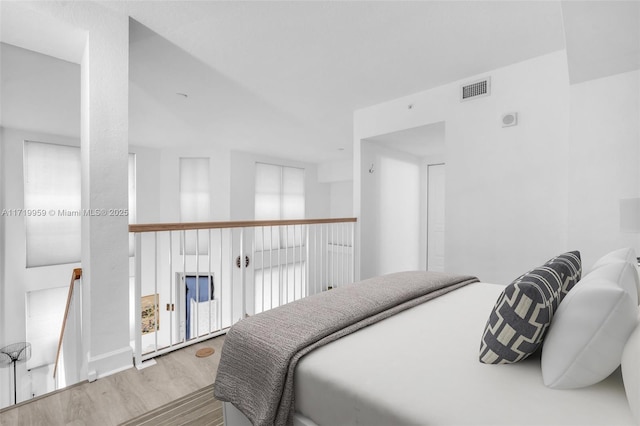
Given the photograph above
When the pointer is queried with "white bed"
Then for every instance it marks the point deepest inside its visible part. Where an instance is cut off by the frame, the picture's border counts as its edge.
(380, 376)
(421, 367)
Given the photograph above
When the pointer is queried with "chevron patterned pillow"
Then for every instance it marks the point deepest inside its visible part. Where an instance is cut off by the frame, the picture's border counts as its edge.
(524, 310)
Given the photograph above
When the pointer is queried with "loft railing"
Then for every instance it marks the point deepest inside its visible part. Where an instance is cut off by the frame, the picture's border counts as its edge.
(68, 338)
(192, 281)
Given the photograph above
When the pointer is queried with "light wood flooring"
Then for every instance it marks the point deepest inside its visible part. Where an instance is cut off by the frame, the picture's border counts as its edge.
(120, 397)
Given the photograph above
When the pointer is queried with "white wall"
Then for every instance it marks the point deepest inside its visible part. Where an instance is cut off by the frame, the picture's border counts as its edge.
(506, 189)
(341, 199)
(604, 158)
(149, 191)
(391, 200)
(517, 196)
(339, 176)
(335, 171)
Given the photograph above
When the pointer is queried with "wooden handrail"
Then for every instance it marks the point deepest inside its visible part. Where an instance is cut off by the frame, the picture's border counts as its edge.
(75, 275)
(158, 227)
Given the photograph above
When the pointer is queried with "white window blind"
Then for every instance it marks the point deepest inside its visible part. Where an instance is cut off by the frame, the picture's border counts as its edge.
(132, 200)
(195, 200)
(279, 192)
(279, 195)
(292, 193)
(52, 203)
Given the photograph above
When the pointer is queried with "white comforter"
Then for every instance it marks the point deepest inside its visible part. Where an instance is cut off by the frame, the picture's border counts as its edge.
(421, 367)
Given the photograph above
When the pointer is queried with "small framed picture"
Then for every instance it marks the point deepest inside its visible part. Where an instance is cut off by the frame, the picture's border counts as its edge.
(150, 313)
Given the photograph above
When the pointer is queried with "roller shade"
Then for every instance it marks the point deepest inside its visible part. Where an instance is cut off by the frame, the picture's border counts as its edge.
(279, 192)
(52, 203)
(195, 201)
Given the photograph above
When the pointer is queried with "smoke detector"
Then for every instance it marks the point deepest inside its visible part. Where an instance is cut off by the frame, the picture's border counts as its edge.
(510, 119)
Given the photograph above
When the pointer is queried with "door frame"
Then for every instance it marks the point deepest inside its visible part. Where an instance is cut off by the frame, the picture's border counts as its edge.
(427, 209)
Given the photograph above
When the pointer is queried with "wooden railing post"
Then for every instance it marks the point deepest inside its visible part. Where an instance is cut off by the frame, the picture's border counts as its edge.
(75, 275)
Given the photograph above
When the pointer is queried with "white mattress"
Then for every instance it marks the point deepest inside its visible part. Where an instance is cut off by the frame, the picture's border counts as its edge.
(421, 367)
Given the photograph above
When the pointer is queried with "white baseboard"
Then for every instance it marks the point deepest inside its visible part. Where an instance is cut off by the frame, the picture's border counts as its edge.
(110, 363)
(144, 364)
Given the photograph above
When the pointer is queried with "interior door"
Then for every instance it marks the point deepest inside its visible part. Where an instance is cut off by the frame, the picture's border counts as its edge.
(435, 217)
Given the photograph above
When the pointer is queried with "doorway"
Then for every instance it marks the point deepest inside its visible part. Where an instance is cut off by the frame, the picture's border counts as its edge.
(402, 179)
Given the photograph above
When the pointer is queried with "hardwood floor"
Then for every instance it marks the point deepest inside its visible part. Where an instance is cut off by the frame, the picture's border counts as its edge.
(122, 396)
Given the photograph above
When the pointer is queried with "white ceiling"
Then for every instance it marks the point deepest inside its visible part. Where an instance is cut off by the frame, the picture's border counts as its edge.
(602, 37)
(283, 78)
(27, 28)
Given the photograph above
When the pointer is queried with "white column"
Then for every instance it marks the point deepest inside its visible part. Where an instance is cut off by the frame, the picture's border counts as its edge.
(104, 144)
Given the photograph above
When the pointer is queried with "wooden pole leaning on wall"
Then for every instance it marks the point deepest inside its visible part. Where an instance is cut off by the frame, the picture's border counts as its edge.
(75, 275)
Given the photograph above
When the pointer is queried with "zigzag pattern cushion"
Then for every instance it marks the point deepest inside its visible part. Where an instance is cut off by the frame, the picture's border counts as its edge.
(525, 308)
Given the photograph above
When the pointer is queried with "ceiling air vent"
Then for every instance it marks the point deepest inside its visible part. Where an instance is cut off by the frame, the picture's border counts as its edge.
(476, 89)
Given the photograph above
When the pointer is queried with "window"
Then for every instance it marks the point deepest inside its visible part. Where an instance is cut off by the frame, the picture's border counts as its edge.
(195, 200)
(279, 192)
(279, 195)
(52, 202)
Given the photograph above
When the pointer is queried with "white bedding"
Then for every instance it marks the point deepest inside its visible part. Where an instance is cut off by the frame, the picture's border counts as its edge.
(421, 367)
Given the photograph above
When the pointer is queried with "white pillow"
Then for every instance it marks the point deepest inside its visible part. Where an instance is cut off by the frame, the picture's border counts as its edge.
(631, 372)
(587, 335)
(621, 255)
(624, 274)
(624, 254)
